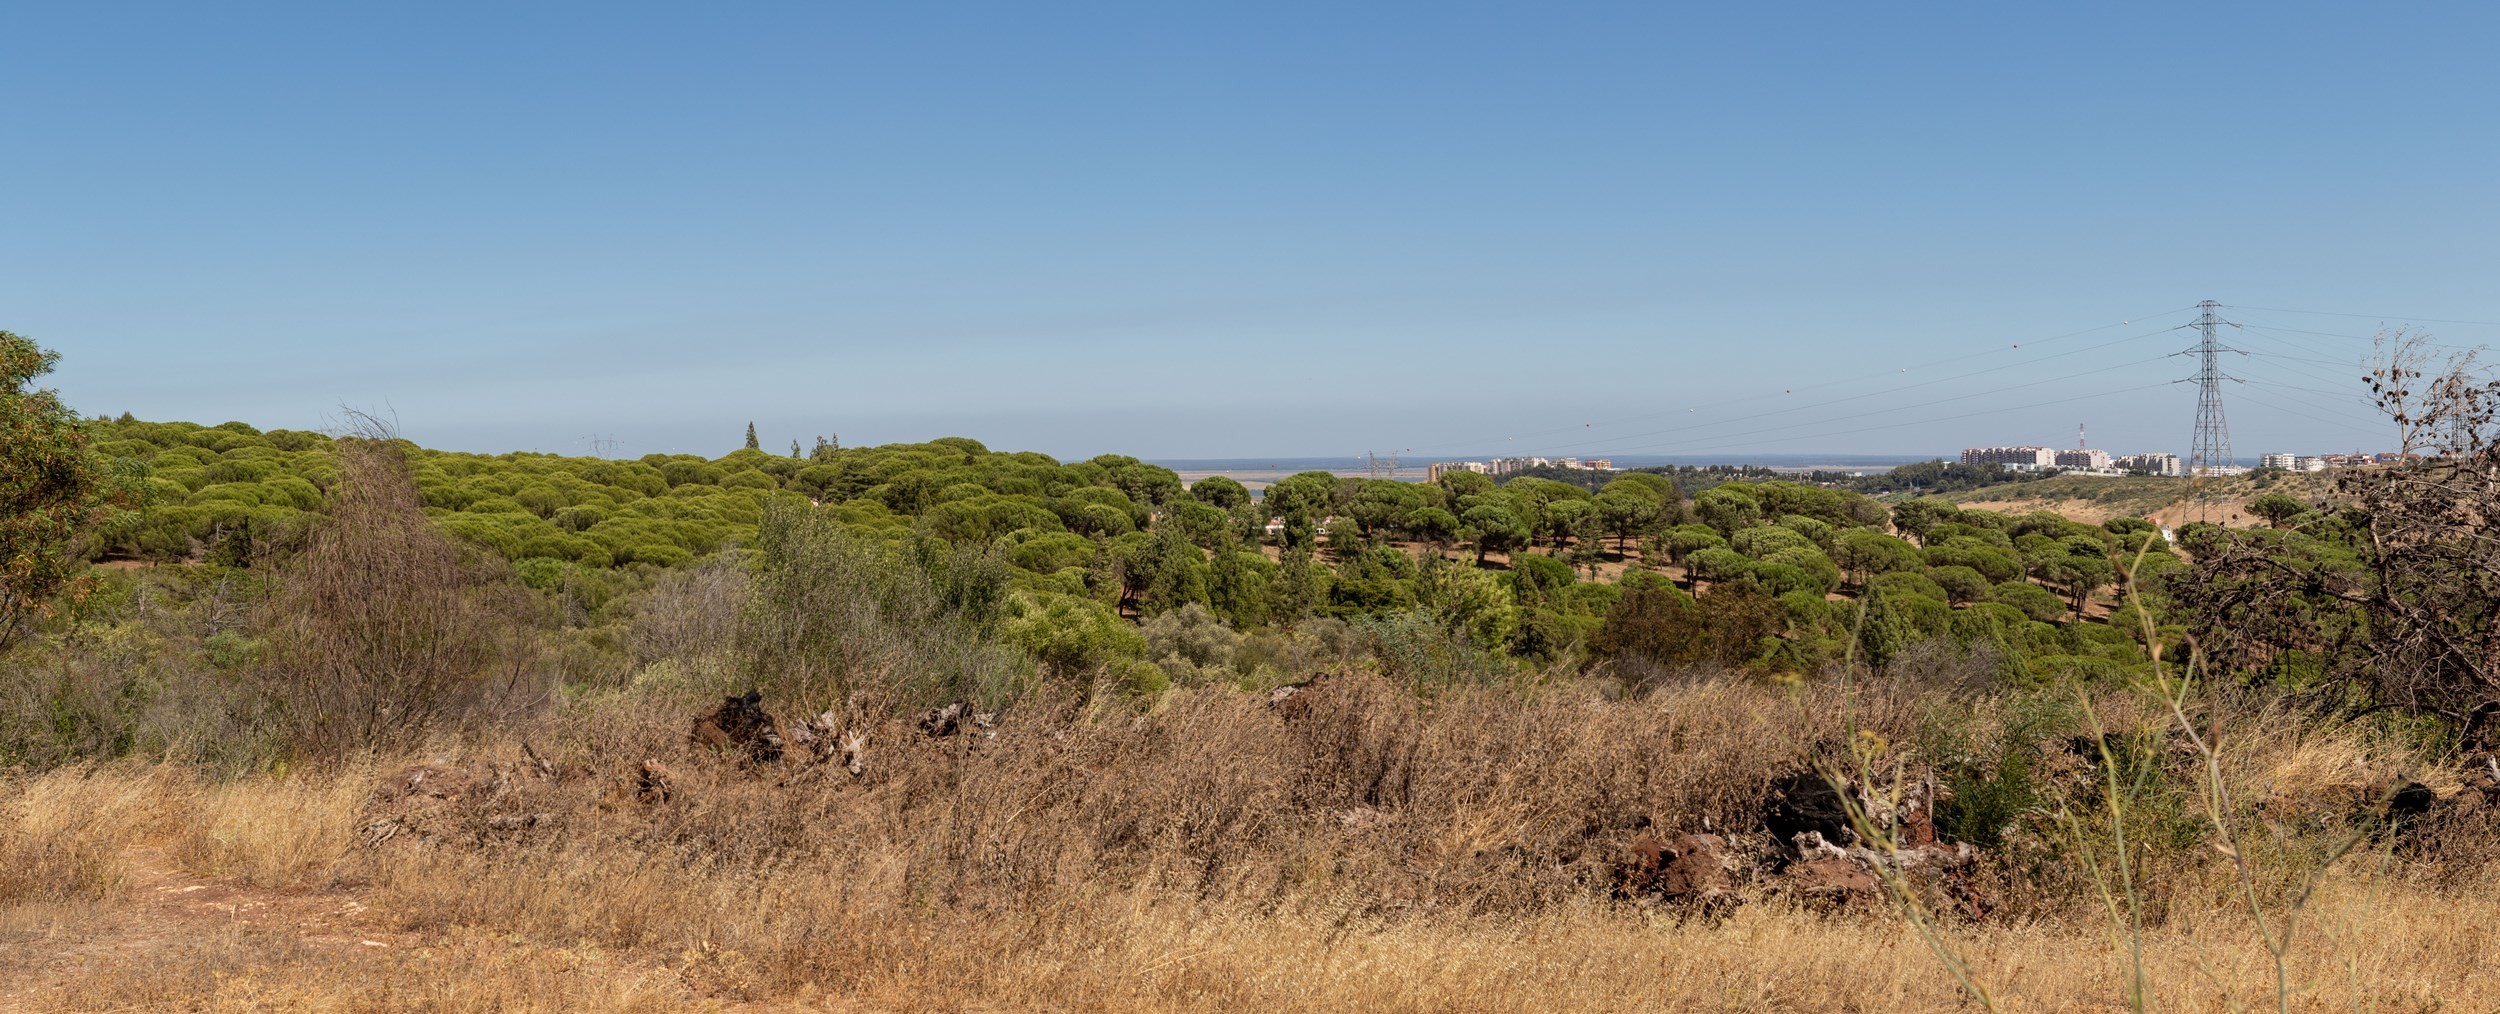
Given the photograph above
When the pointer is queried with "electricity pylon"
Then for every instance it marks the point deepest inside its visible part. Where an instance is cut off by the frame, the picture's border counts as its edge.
(2210, 451)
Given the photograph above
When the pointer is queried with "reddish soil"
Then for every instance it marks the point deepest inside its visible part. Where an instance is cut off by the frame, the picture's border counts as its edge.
(162, 909)
(165, 916)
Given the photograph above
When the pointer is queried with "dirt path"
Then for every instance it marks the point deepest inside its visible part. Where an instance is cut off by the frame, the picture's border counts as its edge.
(176, 941)
(162, 909)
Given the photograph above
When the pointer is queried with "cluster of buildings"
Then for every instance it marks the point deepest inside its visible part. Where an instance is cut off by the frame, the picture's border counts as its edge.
(2093, 462)
(2322, 462)
(2294, 462)
(2085, 460)
(1499, 467)
(2154, 463)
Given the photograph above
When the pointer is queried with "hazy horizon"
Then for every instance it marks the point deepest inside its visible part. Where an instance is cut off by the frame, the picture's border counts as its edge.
(1221, 231)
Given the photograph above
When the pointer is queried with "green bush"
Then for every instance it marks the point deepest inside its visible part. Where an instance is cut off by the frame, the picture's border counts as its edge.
(1961, 584)
(2032, 600)
(1907, 583)
(1072, 636)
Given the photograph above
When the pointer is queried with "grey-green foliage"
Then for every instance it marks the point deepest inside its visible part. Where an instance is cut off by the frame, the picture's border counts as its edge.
(1192, 645)
(914, 625)
(1418, 649)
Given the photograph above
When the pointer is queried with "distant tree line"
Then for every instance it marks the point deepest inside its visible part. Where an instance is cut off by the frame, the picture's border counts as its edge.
(1928, 478)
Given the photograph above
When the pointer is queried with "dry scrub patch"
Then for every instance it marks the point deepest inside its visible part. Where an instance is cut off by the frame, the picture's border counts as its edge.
(1348, 847)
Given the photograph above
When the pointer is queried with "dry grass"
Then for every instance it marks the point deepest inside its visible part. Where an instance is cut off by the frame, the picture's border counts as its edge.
(282, 832)
(67, 835)
(230, 970)
(1364, 850)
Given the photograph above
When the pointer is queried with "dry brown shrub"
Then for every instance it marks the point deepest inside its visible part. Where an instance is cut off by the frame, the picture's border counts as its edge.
(1349, 846)
(1480, 803)
(1361, 848)
(381, 630)
(690, 612)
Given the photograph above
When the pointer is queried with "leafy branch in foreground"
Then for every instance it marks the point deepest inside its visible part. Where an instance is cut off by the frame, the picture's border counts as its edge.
(54, 489)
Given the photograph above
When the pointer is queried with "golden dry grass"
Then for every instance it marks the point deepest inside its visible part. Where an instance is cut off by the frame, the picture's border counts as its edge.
(1376, 853)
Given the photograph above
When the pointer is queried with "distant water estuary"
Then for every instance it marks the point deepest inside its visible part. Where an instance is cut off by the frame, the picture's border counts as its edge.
(1257, 473)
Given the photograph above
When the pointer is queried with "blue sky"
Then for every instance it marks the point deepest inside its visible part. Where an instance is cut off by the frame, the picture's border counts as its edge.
(1199, 230)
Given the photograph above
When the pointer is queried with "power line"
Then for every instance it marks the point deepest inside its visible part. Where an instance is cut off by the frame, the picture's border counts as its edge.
(1689, 446)
(2376, 316)
(2339, 421)
(2296, 387)
(2336, 399)
(2297, 359)
(2331, 358)
(2064, 378)
(2310, 373)
(1586, 444)
(2210, 449)
(1947, 360)
(2355, 337)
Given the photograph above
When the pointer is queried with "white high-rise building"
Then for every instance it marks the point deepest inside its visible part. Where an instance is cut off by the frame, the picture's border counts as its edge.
(2157, 463)
(2035, 457)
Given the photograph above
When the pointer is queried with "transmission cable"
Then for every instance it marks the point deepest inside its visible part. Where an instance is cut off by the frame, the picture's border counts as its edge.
(2376, 316)
(1963, 357)
(1859, 397)
(1685, 446)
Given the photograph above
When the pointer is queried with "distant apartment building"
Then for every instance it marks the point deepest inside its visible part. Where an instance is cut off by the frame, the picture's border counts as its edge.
(2294, 462)
(1500, 467)
(2156, 463)
(2083, 458)
(2023, 457)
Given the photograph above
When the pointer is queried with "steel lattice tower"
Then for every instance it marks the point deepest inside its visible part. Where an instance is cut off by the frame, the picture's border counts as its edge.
(2211, 449)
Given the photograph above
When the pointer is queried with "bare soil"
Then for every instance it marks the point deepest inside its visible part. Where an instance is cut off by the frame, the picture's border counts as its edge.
(172, 940)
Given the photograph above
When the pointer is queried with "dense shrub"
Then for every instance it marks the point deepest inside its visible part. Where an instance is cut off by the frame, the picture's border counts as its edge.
(381, 631)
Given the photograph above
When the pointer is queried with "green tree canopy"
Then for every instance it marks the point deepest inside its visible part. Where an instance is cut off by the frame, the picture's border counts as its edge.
(1916, 518)
(2277, 508)
(54, 489)
(1727, 508)
(1629, 511)
(1496, 528)
(1220, 490)
(1459, 484)
(1865, 551)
